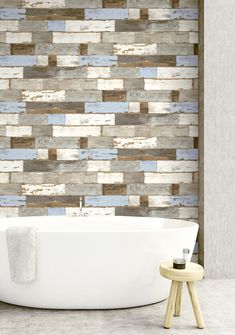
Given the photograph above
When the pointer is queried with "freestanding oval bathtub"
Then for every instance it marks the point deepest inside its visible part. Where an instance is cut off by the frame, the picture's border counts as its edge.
(96, 262)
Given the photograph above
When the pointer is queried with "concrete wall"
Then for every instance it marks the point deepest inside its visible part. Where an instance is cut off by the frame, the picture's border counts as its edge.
(98, 99)
(219, 139)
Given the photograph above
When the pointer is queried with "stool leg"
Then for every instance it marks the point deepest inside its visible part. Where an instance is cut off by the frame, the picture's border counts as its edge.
(170, 304)
(195, 304)
(178, 298)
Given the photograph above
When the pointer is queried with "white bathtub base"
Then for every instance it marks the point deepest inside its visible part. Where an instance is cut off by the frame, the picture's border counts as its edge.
(96, 262)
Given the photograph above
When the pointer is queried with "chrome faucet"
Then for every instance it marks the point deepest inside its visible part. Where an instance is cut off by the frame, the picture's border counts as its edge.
(81, 213)
(80, 203)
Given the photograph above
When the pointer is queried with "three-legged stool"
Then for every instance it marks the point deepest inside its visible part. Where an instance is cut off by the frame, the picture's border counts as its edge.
(190, 274)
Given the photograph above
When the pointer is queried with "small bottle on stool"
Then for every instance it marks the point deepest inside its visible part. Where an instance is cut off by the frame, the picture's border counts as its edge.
(186, 255)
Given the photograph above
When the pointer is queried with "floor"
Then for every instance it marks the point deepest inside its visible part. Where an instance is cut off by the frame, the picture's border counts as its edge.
(217, 298)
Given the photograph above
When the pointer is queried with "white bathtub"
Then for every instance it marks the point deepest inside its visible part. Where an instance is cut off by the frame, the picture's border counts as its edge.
(96, 262)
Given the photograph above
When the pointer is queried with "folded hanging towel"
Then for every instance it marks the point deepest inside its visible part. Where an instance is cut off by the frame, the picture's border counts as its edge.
(21, 243)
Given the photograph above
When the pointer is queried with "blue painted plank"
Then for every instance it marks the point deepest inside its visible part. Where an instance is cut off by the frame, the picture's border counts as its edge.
(184, 200)
(106, 14)
(98, 154)
(184, 14)
(12, 13)
(20, 60)
(56, 25)
(148, 166)
(186, 60)
(12, 107)
(148, 72)
(16, 154)
(12, 200)
(97, 60)
(187, 154)
(106, 200)
(56, 211)
(56, 119)
(184, 107)
(106, 107)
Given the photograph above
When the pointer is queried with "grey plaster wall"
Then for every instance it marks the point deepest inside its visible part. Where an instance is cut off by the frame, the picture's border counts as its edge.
(219, 138)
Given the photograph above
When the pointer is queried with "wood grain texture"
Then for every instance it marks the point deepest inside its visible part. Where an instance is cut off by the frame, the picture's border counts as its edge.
(178, 299)
(55, 14)
(171, 304)
(195, 304)
(99, 92)
(22, 49)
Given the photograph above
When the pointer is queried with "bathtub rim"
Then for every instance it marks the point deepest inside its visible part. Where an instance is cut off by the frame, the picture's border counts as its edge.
(98, 227)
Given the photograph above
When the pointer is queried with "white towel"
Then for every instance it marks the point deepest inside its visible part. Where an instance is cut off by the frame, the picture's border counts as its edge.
(21, 243)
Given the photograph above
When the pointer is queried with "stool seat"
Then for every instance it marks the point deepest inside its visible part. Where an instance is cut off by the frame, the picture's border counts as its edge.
(192, 272)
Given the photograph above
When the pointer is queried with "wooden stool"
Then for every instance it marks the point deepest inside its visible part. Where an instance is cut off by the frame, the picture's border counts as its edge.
(191, 273)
